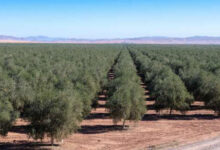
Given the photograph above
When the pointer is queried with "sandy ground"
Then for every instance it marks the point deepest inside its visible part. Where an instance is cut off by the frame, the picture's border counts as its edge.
(15, 41)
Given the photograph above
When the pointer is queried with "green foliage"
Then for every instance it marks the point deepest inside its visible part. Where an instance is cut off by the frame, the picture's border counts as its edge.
(7, 113)
(208, 90)
(53, 114)
(7, 116)
(170, 92)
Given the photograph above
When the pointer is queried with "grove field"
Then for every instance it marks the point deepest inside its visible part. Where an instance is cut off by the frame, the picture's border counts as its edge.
(108, 96)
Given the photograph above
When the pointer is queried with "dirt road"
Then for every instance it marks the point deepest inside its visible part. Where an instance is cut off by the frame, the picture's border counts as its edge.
(211, 144)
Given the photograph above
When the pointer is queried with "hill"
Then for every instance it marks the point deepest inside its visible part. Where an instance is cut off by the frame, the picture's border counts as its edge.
(138, 40)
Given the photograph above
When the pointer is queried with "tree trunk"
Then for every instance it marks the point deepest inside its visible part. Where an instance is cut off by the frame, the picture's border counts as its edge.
(52, 140)
(171, 109)
(123, 126)
(158, 112)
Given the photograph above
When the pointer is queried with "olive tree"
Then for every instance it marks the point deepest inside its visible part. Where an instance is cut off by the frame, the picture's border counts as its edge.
(170, 92)
(54, 115)
(7, 112)
(7, 116)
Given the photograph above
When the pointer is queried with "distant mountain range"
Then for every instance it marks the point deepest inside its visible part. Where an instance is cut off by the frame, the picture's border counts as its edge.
(138, 40)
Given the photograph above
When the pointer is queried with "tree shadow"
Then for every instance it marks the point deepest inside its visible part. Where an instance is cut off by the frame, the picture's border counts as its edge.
(97, 129)
(192, 108)
(155, 117)
(102, 99)
(19, 129)
(98, 116)
(101, 106)
(25, 145)
(150, 107)
(150, 99)
(197, 107)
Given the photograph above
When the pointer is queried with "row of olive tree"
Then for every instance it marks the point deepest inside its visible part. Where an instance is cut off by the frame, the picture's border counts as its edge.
(125, 95)
(166, 87)
(7, 113)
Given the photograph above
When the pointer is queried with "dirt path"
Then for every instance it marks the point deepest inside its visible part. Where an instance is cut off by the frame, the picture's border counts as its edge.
(210, 144)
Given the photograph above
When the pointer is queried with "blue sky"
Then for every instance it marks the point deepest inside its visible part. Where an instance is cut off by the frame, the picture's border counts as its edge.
(110, 18)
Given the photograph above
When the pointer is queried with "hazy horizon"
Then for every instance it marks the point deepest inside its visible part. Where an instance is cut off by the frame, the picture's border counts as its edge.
(106, 19)
(157, 36)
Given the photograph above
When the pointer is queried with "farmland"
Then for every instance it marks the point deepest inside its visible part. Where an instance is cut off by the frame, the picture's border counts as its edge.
(115, 96)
